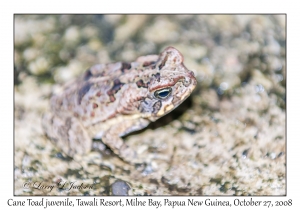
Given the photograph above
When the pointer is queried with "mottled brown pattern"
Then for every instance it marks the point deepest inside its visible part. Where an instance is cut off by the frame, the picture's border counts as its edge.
(156, 106)
(111, 100)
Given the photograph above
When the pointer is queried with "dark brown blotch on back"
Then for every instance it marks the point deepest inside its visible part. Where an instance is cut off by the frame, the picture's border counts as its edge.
(163, 63)
(95, 105)
(87, 75)
(141, 83)
(83, 90)
(115, 88)
(157, 76)
(125, 65)
(148, 63)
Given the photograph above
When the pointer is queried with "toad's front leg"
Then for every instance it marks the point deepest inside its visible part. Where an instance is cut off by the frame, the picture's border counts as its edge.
(112, 138)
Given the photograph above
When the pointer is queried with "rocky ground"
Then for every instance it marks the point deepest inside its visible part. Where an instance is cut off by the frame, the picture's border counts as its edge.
(228, 138)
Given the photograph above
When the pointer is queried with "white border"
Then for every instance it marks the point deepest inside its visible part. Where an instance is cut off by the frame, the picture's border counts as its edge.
(153, 6)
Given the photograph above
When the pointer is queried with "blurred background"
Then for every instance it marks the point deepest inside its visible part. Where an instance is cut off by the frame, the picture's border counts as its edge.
(228, 138)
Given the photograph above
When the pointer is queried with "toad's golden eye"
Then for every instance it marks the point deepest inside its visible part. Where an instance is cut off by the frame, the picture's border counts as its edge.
(163, 93)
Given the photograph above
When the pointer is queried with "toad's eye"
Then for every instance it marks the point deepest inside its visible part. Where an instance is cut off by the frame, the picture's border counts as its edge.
(163, 93)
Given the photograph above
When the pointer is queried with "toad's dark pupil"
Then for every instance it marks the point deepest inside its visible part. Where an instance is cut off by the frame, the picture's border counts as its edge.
(162, 94)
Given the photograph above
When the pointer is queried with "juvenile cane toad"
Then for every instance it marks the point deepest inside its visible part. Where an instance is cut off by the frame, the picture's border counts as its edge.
(111, 100)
